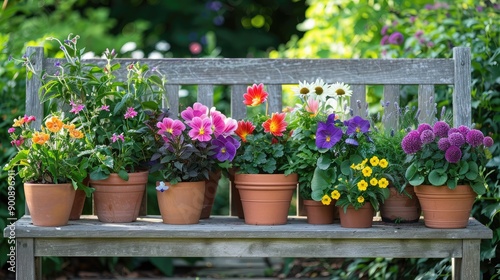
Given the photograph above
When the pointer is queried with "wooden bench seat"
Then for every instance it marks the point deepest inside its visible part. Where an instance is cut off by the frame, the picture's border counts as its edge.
(229, 236)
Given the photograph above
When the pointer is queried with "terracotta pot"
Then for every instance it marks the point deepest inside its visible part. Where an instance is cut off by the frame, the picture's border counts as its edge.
(117, 200)
(360, 218)
(210, 190)
(266, 197)
(49, 204)
(78, 203)
(446, 208)
(399, 207)
(235, 200)
(318, 213)
(181, 204)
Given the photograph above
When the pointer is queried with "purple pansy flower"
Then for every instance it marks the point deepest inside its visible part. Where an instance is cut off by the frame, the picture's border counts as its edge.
(356, 125)
(453, 154)
(411, 143)
(225, 148)
(327, 135)
(474, 137)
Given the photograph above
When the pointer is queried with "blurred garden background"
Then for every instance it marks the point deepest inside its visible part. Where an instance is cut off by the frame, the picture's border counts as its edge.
(276, 29)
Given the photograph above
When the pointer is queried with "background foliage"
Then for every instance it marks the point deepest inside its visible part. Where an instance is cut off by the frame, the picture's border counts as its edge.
(274, 28)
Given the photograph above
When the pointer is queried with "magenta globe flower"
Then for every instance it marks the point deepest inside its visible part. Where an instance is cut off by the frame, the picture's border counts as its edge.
(427, 136)
(440, 129)
(424, 126)
(488, 141)
(443, 144)
(453, 154)
(474, 137)
(411, 143)
(463, 129)
(457, 139)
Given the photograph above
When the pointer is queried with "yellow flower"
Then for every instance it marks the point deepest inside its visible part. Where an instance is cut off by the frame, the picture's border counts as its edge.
(361, 199)
(335, 194)
(367, 171)
(383, 183)
(69, 127)
(373, 181)
(359, 166)
(54, 124)
(362, 185)
(374, 161)
(326, 200)
(40, 138)
(364, 162)
(353, 166)
(383, 163)
(18, 122)
(75, 133)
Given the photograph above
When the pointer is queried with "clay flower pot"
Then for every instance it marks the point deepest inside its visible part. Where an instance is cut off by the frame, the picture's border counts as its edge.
(49, 204)
(182, 203)
(266, 197)
(360, 218)
(400, 208)
(210, 190)
(318, 213)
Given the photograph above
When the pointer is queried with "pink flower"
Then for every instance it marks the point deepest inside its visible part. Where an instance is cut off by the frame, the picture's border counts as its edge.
(104, 108)
(168, 125)
(198, 110)
(11, 130)
(131, 113)
(218, 122)
(312, 106)
(488, 141)
(17, 142)
(76, 108)
(230, 127)
(201, 129)
(115, 137)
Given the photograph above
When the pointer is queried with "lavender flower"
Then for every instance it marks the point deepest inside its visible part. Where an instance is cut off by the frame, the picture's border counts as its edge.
(443, 144)
(440, 129)
(457, 139)
(474, 137)
(488, 141)
(453, 154)
(411, 143)
(427, 136)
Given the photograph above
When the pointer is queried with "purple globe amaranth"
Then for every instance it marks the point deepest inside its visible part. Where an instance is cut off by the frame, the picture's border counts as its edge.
(424, 126)
(488, 141)
(443, 144)
(453, 154)
(457, 139)
(474, 137)
(427, 136)
(464, 130)
(411, 143)
(440, 129)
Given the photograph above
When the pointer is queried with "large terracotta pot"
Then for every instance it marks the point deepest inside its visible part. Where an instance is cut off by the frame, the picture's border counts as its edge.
(210, 190)
(400, 207)
(360, 218)
(318, 213)
(266, 197)
(181, 204)
(117, 200)
(79, 203)
(446, 208)
(49, 204)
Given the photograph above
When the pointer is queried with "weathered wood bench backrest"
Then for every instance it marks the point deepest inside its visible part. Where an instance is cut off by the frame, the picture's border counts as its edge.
(238, 73)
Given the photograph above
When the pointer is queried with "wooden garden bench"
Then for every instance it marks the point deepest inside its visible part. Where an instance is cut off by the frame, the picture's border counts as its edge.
(228, 236)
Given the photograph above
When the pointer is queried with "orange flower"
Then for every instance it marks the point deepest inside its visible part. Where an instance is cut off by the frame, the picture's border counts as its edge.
(54, 124)
(244, 128)
(276, 124)
(69, 127)
(40, 138)
(75, 133)
(255, 95)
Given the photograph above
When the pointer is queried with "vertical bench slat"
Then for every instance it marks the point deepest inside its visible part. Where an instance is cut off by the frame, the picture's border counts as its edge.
(391, 98)
(462, 110)
(426, 104)
(238, 109)
(275, 98)
(172, 96)
(358, 94)
(206, 95)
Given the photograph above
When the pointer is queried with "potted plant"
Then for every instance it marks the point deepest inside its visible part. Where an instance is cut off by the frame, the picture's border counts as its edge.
(344, 146)
(264, 181)
(188, 151)
(447, 168)
(316, 101)
(114, 111)
(48, 163)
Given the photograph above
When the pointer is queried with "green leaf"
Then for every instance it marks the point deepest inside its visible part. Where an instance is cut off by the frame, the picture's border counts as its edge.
(411, 171)
(437, 178)
(416, 180)
(479, 188)
(473, 171)
(123, 174)
(323, 162)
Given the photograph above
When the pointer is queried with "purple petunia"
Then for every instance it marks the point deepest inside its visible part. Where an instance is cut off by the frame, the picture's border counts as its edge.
(440, 129)
(457, 139)
(474, 137)
(427, 136)
(488, 141)
(424, 126)
(453, 154)
(356, 125)
(327, 135)
(443, 144)
(411, 143)
(225, 147)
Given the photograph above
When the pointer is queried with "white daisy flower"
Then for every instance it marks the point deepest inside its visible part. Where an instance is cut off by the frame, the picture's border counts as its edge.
(303, 90)
(321, 90)
(341, 89)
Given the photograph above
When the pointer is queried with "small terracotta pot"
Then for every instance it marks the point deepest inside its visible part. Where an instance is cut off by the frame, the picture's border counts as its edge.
(266, 197)
(181, 204)
(78, 204)
(318, 213)
(210, 190)
(235, 199)
(360, 218)
(117, 200)
(49, 204)
(446, 208)
(400, 208)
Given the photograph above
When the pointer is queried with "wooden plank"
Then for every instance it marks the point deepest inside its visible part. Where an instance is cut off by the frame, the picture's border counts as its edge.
(263, 247)
(224, 227)
(238, 109)
(230, 71)
(206, 95)
(172, 100)
(462, 87)
(25, 262)
(358, 100)
(426, 104)
(391, 113)
(469, 266)
(275, 99)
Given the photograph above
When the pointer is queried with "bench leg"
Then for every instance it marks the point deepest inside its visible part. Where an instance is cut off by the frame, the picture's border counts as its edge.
(27, 267)
(468, 267)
